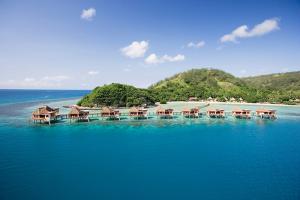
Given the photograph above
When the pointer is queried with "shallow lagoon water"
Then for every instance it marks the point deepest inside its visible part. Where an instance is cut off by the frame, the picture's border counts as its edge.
(151, 159)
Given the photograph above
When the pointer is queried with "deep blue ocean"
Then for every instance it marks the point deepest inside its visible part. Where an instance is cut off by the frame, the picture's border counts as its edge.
(150, 159)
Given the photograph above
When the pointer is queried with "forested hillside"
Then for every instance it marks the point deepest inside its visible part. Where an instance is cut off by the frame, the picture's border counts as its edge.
(202, 84)
(289, 81)
(117, 95)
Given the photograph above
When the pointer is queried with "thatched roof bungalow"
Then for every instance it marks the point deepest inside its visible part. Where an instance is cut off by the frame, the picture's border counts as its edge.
(138, 112)
(45, 114)
(77, 113)
(242, 113)
(193, 112)
(216, 113)
(266, 113)
(109, 112)
(164, 113)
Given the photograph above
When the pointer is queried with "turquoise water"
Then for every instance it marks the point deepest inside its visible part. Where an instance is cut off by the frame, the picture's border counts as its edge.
(154, 159)
(21, 96)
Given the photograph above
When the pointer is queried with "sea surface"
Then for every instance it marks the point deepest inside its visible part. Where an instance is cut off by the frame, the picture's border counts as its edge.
(147, 159)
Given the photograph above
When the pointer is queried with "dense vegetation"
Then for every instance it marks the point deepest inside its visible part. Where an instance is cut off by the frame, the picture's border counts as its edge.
(203, 84)
(117, 95)
(282, 87)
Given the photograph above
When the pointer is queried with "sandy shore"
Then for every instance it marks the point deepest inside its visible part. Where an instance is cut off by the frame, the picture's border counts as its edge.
(231, 103)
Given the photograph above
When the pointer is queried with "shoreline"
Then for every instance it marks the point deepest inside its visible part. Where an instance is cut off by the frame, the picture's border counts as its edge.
(233, 103)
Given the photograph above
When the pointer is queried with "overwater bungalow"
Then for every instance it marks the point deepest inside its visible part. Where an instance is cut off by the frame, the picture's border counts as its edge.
(266, 114)
(110, 113)
(242, 113)
(45, 114)
(78, 114)
(164, 113)
(138, 113)
(191, 113)
(216, 113)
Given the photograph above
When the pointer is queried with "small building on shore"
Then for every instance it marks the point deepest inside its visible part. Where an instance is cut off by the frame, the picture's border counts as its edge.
(266, 114)
(191, 113)
(242, 113)
(210, 99)
(193, 99)
(110, 113)
(78, 114)
(45, 114)
(138, 112)
(216, 113)
(232, 99)
(164, 113)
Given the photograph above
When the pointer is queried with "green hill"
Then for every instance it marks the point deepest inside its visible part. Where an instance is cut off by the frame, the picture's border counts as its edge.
(204, 83)
(289, 81)
(117, 95)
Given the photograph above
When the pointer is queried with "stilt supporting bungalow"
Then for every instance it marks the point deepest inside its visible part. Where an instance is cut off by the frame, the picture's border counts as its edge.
(216, 113)
(78, 114)
(45, 114)
(138, 113)
(266, 114)
(164, 113)
(191, 113)
(110, 113)
(242, 114)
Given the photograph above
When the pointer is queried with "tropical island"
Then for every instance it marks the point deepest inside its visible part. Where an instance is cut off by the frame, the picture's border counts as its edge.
(201, 84)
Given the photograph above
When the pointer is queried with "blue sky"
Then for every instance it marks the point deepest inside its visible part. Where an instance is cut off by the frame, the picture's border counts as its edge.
(83, 44)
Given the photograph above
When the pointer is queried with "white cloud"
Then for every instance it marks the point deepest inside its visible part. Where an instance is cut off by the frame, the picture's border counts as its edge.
(243, 31)
(196, 45)
(88, 14)
(55, 78)
(29, 79)
(136, 49)
(176, 58)
(44, 82)
(93, 73)
(154, 59)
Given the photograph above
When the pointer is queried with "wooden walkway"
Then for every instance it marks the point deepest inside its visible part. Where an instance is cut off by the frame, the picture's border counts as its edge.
(150, 114)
